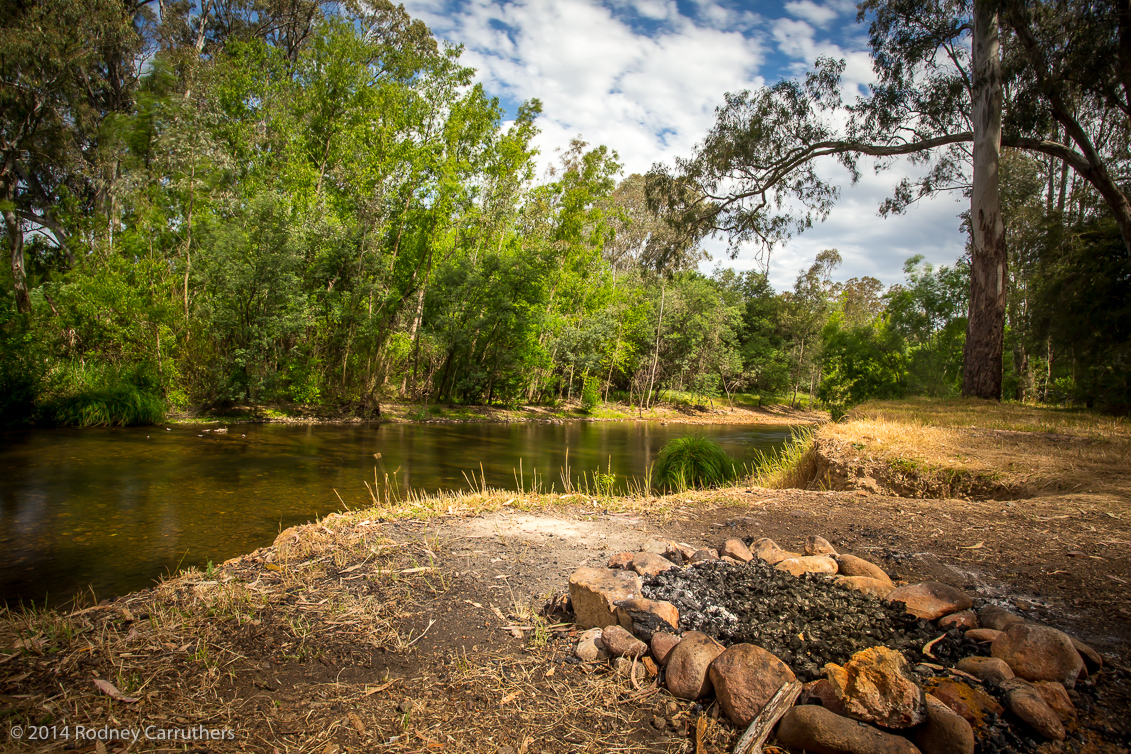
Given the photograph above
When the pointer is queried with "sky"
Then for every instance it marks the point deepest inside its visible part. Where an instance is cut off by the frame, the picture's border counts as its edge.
(644, 77)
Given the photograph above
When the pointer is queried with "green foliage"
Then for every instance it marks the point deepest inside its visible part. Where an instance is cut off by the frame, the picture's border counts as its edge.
(590, 394)
(859, 363)
(115, 400)
(693, 461)
(22, 369)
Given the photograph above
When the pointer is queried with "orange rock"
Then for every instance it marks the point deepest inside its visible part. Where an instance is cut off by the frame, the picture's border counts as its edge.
(931, 600)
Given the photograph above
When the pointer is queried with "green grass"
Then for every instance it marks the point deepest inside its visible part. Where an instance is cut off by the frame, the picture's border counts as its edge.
(693, 461)
(120, 405)
(791, 466)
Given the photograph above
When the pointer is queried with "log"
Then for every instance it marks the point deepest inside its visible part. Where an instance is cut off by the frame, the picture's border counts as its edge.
(760, 727)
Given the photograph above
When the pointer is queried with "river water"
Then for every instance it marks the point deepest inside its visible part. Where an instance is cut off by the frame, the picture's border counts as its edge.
(109, 511)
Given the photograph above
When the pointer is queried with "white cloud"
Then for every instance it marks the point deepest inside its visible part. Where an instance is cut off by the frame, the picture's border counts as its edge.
(649, 98)
(643, 79)
(819, 15)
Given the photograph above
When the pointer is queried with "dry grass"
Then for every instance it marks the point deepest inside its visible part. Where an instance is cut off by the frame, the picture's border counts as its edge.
(259, 646)
(969, 446)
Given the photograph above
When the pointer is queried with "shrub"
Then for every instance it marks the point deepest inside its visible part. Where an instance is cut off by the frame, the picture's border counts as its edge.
(590, 394)
(693, 461)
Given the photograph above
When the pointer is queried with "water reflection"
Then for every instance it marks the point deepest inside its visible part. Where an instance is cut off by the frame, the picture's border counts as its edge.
(116, 508)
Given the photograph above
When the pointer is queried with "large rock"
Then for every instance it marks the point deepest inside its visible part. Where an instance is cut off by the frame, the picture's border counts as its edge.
(620, 643)
(876, 686)
(737, 549)
(649, 564)
(807, 564)
(931, 600)
(815, 545)
(662, 645)
(945, 732)
(850, 565)
(817, 730)
(1028, 704)
(997, 618)
(1038, 653)
(745, 677)
(594, 593)
(767, 549)
(1056, 697)
(687, 668)
(875, 587)
(986, 668)
(644, 617)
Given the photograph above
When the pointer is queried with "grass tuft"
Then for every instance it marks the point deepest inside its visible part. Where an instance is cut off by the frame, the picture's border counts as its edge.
(121, 405)
(693, 461)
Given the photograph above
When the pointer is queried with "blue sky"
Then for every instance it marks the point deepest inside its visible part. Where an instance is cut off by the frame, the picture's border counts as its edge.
(644, 77)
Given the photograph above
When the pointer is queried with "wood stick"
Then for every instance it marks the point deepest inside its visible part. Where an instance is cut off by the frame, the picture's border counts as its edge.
(760, 727)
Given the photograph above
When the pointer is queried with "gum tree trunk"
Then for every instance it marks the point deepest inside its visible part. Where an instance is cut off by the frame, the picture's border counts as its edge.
(16, 249)
(985, 326)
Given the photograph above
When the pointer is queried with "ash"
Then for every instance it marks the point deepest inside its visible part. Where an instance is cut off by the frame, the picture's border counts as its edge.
(806, 622)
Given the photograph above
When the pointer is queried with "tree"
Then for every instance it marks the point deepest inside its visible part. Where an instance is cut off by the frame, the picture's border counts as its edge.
(939, 91)
(64, 66)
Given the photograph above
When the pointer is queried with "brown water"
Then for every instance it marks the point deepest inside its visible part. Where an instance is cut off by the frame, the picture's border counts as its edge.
(112, 510)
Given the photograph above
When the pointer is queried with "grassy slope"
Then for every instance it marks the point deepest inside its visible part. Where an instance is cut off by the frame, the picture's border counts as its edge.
(1020, 450)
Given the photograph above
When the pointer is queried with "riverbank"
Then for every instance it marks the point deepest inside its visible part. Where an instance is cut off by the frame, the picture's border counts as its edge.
(414, 625)
(714, 413)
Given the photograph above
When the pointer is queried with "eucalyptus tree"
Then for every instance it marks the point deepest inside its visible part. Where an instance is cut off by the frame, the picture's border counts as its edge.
(955, 81)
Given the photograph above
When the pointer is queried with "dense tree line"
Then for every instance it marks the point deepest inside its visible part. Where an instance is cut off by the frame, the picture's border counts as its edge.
(296, 201)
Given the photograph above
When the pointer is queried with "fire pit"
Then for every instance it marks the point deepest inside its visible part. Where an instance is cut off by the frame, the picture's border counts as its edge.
(874, 665)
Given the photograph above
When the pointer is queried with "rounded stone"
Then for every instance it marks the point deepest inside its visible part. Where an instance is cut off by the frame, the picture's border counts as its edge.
(850, 565)
(807, 564)
(816, 729)
(1028, 704)
(1056, 697)
(662, 645)
(945, 732)
(1038, 653)
(931, 600)
(865, 585)
(986, 668)
(687, 668)
(737, 549)
(745, 677)
(815, 545)
(982, 635)
(964, 620)
(621, 643)
(997, 618)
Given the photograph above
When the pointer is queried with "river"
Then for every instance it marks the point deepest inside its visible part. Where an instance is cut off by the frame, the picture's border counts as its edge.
(109, 511)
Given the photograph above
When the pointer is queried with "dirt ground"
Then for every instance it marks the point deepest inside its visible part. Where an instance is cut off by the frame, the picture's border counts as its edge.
(382, 631)
(357, 635)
